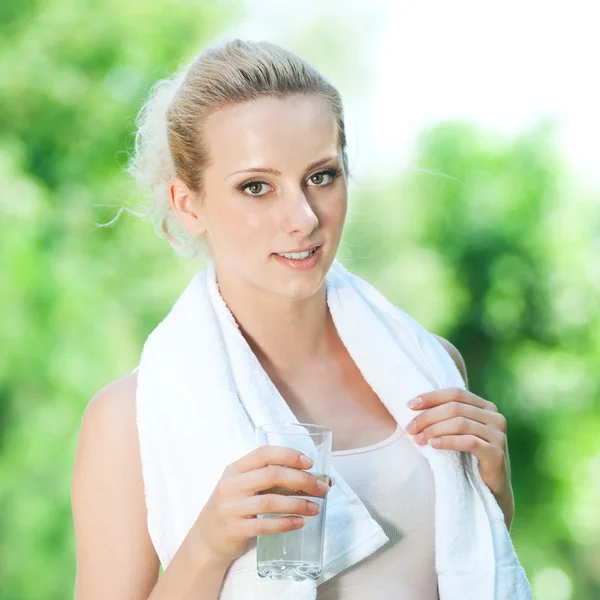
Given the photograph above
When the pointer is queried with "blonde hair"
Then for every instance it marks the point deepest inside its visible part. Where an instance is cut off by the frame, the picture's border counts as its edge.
(168, 140)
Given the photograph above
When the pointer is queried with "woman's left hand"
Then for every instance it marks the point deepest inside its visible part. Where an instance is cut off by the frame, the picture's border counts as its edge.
(456, 419)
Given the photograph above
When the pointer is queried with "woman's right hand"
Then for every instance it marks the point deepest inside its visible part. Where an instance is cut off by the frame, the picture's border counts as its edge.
(229, 518)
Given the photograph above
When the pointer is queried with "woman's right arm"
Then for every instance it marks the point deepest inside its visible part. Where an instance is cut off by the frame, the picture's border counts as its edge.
(115, 555)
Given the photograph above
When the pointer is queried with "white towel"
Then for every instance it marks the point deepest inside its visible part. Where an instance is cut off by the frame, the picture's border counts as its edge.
(202, 391)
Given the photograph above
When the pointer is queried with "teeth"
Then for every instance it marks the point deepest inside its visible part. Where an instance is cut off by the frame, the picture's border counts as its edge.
(298, 255)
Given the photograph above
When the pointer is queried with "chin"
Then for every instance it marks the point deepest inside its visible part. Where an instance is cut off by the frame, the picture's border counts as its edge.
(304, 294)
(303, 287)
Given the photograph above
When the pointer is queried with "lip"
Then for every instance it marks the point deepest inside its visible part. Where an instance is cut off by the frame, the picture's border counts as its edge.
(301, 250)
(301, 265)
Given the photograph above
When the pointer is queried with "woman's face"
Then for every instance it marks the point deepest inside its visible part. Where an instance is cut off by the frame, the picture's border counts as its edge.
(249, 214)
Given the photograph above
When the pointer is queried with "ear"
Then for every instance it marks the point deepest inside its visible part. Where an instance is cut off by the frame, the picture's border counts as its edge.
(186, 206)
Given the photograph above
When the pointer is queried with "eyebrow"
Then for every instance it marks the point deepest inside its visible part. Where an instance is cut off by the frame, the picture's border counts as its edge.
(317, 163)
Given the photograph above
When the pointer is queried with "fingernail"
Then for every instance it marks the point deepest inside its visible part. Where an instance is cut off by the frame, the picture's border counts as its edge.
(415, 402)
(305, 460)
(322, 486)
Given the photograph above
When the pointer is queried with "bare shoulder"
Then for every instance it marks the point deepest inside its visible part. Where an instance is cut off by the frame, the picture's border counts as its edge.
(117, 399)
(118, 395)
(456, 357)
(115, 555)
(109, 422)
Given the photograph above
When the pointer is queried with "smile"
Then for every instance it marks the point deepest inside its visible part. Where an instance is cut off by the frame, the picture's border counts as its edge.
(299, 261)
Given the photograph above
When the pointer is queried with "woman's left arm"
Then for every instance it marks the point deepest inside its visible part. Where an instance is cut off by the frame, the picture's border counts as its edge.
(457, 419)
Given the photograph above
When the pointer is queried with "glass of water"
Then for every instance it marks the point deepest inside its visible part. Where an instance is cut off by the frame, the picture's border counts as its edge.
(297, 554)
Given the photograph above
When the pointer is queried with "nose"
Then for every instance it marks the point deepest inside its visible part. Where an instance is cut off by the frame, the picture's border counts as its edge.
(298, 214)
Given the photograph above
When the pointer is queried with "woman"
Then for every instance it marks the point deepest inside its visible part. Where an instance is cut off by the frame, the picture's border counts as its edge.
(249, 167)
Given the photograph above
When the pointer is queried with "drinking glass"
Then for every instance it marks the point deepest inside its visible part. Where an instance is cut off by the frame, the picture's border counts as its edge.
(297, 554)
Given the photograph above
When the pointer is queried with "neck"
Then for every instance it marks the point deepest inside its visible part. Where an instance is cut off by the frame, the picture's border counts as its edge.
(283, 333)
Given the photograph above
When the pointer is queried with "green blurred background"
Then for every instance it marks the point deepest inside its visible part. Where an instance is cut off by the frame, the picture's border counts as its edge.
(491, 242)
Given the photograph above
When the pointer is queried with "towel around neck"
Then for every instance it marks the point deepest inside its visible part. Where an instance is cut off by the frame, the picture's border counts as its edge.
(202, 391)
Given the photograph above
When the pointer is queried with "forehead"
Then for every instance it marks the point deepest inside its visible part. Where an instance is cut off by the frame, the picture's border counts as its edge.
(300, 128)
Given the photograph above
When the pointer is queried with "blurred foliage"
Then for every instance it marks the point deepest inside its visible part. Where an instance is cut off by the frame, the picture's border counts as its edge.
(493, 244)
(76, 299)
(490, 243)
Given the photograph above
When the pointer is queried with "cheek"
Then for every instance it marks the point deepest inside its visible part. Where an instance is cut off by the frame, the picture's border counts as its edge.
(243, 227)
(253, 221)
(335, 211)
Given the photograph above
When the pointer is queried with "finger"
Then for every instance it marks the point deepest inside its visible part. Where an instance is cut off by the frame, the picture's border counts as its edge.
(483, 450)
(274, 455)
(281, 480)
(275, 503)
(460, 426)
(443, 396)
(455, 409)
(251, 527)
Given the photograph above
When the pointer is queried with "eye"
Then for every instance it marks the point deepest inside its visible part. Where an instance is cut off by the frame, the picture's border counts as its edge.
(332, 173)
(255, 186)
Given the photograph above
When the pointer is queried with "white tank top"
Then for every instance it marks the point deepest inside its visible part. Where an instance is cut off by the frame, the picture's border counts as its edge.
(394, 481)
